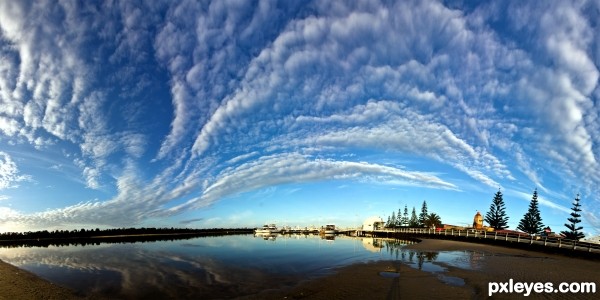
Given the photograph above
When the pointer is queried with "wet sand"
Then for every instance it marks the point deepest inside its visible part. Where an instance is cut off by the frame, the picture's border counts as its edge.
(17, 284)
(363, 281)
(490, 264)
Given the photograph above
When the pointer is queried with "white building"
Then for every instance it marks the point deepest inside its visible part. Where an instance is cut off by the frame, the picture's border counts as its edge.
(594, 239)
(373, 223)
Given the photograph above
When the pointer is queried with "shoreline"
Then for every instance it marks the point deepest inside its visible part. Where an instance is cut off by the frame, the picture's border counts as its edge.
(17, 284)
(486, 263)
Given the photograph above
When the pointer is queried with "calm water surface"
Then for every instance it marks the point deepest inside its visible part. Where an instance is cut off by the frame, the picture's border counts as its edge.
(211, 267)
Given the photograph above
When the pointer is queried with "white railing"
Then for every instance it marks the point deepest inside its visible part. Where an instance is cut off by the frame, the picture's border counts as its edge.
(507, 237)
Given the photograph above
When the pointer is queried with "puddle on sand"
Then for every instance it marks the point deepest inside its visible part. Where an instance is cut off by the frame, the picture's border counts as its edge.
(389, 274)
(437, 263)
(451, 280)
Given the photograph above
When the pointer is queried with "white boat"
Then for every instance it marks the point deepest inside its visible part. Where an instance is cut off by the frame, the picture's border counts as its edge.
(267, 228)
(328, 229)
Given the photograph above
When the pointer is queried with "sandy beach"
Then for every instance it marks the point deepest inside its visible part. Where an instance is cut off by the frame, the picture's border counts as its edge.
(364, 281)
(17, 284)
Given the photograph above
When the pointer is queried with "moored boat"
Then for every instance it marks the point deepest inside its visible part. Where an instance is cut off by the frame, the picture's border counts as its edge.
(328, 229)
(267, 228)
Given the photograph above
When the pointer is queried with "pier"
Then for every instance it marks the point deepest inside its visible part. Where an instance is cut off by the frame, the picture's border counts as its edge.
(518, 240)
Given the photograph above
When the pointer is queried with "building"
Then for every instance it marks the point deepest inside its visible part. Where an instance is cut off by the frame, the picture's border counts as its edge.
(373, 223)
(594, 239)
(478, 221)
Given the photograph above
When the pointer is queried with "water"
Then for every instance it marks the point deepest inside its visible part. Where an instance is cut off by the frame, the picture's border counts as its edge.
(214, 267)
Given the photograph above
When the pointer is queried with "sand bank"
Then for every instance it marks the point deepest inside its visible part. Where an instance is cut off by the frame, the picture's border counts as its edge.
(17, 284)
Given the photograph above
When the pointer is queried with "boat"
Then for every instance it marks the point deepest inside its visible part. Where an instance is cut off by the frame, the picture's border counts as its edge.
(328, 229)
(267, 228)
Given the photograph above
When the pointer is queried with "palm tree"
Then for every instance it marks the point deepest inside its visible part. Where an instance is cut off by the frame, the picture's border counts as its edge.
(433, 220)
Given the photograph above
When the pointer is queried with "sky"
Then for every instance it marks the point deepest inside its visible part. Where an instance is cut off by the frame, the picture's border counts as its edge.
(236, 113)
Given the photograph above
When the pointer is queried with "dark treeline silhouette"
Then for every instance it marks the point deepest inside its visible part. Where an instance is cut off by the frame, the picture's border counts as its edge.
(84, 237)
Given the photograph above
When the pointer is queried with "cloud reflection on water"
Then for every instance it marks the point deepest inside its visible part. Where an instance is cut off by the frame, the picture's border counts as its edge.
(218, 267)
(130, 271)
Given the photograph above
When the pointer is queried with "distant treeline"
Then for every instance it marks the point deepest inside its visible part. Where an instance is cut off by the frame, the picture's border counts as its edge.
(84, 237)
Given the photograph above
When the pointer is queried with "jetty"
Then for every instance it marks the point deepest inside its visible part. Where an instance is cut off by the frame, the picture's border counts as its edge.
(510, 239)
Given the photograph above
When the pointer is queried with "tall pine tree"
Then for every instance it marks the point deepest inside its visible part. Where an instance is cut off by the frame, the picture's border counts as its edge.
(405, 216)
(393, 220)
(414, 221)
(574, 232)
(497, 217)
(532, 221)
(423, 215)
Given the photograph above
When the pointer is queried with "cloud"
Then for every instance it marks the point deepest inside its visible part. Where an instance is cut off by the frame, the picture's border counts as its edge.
(495, 91)
(189, 221)
(296, 168)
(9, 173)
(543, 201)
(391, 126)
(338, 46)
(203, 45)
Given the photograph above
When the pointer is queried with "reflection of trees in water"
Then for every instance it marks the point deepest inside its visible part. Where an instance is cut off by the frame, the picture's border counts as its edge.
(396, 250)
(394, 246)
(426, 256)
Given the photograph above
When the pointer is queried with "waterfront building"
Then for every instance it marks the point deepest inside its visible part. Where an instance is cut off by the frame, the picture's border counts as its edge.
(478, 221)
(373, 223)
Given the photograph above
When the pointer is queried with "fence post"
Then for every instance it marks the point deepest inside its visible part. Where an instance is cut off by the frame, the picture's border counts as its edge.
(495, 235)
(559, 243)
(506, 237)
(518, 238)
(531, 240)
(467, 233)
(485, 234)
(574, 243)
(545, 241)
(590, 247)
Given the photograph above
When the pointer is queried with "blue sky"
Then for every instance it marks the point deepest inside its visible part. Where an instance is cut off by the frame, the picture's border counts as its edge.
(236, 113)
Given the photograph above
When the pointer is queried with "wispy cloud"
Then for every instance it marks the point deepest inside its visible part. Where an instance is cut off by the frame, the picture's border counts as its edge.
(9, 173)
(189, 221)
(165, 103)
(296, 168)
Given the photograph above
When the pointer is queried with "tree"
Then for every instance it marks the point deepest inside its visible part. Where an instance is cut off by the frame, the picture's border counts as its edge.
(497, 217)
(423, 214)
(433, 220)
(405, 218)
(574, 232)
(399, 218)
(389, 222)
(532, 221)
(414, 221)
(393, 220)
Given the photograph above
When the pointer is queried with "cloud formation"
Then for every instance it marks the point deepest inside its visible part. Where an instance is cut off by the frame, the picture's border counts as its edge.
(169, 107)
(9, 173)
